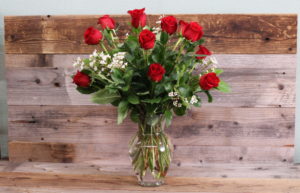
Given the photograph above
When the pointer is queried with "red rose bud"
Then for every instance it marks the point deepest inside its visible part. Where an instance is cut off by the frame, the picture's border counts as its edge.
(191, 31)
(147, 39)
(156, 72)
(138, 17)
(209, 80)
(203, 51)
(106, 22)
(92, 36)
(81, 79)
(169, 24)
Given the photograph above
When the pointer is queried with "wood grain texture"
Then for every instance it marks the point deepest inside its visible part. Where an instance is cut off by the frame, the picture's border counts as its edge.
(236, 171)
(239, 61)
(117, 154)
(128, 183)
(202, 126)
(253, 87)
(209, 170)
(224, 33)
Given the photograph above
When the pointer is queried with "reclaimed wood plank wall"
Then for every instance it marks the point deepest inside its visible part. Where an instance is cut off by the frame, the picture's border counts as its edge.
(50, 121)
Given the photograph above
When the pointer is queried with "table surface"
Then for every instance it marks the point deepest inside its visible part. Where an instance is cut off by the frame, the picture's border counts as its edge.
(37, 177)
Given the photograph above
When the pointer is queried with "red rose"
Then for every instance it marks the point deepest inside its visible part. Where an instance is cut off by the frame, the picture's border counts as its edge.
(191, 31)
(147, 39)
(203, 51)
(209, 80)
(138, 17)
(106, 22)
(81, 79)
(92, 36)
(156, 72)
(169, 24)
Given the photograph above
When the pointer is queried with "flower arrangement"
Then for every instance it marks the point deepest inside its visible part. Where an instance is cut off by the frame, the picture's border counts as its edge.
(151, 75)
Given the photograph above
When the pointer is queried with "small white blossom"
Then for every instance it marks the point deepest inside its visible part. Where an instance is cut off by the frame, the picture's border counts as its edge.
(95, 54)
(179, 105)
(175, 103)
(156, 30)
(194, 99)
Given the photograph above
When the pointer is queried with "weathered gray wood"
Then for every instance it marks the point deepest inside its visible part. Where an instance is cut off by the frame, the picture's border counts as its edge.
(250, 88)
(117, 154)
(225, 60)
(211, 170)
(226, 33)
(128, 183)
(203, 126)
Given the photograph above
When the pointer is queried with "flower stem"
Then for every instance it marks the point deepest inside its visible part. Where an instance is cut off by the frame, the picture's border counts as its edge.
(113, 39)
(103, 47)
(177, 43)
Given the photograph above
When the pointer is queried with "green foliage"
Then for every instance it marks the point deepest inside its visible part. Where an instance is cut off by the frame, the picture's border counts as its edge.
(122, 111)
(86, 90)
(105, 96)
(132, 91)
(223, 87)
(133, 99)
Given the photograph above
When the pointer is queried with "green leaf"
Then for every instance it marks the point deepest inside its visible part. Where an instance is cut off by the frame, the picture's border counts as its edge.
(185, 91)
(86, 90)
(117, 76)
(223, 87)
(122, 111)
(105, 96)
(133, 99)
(152, 101)
(164, 37)
(180, 111)
(210, 99)
(168, 115)
(142, 93)
(134, 116)
(218, 71)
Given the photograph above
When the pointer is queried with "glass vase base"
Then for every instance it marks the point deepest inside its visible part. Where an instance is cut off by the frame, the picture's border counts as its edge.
(148, 180)
(151, 184)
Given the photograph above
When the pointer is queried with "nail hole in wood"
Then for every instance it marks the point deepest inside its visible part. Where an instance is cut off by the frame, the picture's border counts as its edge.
(280, 86)
(38, 81)
(240, 158)
(267, 39)
(57, 84)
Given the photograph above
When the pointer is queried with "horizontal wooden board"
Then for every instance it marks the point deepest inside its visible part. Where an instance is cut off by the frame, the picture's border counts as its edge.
(202, 126)
(251, 87)
(224, 33)
(115, 154)
(225, 60)
(208, 170)
(108, 182)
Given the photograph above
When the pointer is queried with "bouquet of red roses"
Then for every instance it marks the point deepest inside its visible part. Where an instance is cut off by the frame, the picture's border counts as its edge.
(150, 77)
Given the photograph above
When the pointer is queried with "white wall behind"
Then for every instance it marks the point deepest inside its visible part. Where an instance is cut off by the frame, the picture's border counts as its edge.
(45, 7)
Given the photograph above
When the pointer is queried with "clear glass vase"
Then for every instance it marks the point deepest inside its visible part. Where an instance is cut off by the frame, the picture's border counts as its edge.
(150, 151)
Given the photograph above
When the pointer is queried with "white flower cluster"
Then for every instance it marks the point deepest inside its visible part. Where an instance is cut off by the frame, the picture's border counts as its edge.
(118, 61)
(78, 63)
(100, 61)
(175, 99)
(193, 99)
(156, 30)
(211, 62)
(159, 19)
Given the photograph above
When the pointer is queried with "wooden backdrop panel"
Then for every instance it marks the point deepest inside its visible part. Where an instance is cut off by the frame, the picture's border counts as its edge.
(248, 34)
(50, 121)
(253, 87)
